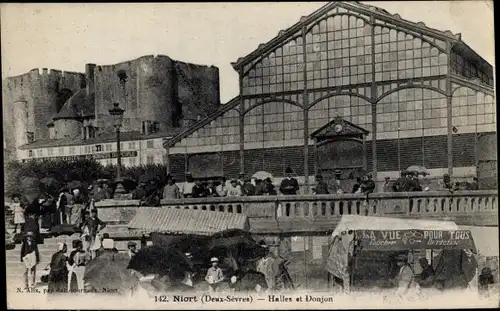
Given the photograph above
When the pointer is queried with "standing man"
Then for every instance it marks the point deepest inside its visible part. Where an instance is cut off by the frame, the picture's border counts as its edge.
(356, 188)
(171, 191)
(405, 276)
(414, 184)
(321, 186)
(221, 189)
(61, 206)
(248, 188)
(446, 183)
(234, 189)
(426, 279)
(268, 265)
(474, 184)
(368, 185)
(401, 185)
(132, 249)
(289, 185)
(187, 187)
(241, 179)
(198, 190)
(70, 201)
(93, 225)
(259, 187)
(30, 257)
(338, 186)
(139, 192)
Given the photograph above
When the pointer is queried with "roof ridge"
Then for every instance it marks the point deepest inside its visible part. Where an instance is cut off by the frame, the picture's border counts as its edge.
(223, 108)
(283, 33)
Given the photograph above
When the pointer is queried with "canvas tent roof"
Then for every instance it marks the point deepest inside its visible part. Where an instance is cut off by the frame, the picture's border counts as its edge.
(485, 238)
(170, 220)
(355, 222)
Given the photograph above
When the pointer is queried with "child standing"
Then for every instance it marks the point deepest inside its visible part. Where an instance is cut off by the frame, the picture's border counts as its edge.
(18, 212)
(214, 275)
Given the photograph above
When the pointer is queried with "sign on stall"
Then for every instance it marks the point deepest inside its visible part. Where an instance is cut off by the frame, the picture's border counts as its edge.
(380, 240)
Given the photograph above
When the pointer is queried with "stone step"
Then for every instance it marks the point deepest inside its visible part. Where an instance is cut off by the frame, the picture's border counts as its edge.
(10, 256)
(18, 269)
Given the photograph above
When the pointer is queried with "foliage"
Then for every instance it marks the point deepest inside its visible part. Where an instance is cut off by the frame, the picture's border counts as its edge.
(65, 171)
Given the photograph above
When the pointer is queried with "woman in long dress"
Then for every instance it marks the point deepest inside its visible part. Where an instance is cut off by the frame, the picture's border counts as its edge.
(18, 210)
(78, 207)
(58, 276)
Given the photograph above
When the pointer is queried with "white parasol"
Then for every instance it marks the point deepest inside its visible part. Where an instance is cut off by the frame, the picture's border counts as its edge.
(262, 175)
(417, 168)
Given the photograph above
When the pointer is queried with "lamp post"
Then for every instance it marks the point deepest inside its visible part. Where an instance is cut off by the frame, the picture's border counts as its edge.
(399, 150)
(117, 113)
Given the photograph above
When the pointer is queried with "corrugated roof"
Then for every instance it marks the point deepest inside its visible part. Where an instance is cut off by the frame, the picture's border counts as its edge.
(182, 221)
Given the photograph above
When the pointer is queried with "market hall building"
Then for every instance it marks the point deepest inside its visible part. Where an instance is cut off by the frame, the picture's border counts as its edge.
(350, 86)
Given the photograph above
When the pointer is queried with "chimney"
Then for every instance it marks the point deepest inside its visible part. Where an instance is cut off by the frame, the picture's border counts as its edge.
(89, 77)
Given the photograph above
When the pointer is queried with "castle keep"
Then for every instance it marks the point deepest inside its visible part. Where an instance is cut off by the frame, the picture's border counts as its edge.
(53, 108)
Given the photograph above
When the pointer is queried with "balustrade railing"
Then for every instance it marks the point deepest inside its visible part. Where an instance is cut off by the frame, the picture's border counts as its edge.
(324, 207)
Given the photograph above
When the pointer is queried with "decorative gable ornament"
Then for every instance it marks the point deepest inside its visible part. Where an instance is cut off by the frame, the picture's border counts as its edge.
(339, 127)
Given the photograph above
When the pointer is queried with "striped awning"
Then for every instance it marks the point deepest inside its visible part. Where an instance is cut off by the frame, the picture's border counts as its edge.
(170, 220)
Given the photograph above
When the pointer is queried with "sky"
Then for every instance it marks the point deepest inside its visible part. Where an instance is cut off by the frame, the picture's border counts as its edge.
(67, 36)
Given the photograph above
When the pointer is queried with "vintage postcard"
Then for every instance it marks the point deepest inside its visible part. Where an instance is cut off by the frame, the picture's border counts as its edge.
(307, 155)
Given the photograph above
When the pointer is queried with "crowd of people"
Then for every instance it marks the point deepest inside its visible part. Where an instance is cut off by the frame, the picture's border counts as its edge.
(66, 272)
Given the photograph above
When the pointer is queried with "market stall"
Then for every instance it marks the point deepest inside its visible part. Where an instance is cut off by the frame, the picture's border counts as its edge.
(363, 251)
(202, 235)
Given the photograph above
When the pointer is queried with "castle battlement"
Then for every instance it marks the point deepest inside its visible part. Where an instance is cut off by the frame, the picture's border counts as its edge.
(36, 75)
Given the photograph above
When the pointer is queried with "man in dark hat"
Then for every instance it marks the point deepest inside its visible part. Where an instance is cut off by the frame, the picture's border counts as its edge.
(405, 276)
(91, 226)
(234, 189)
(321, 186)
(387, 184)
(289, 185)
(241, 179)
(269, 266)
(426, 278)
(413, 182)
(140, 191)
(30, 257)
(401, 185)
(171, 190)
(338, 186)
(132, 249)
(368, 185)
(446, 183)
(474, 184)
(248, 188)
(199, 190)
(259, 187)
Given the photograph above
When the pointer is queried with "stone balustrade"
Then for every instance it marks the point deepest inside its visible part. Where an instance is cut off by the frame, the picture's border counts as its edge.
(315, 213)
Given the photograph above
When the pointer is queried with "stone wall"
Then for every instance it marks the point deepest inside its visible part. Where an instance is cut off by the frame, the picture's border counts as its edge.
(42, 92)
(198, 89)
(157, 89)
